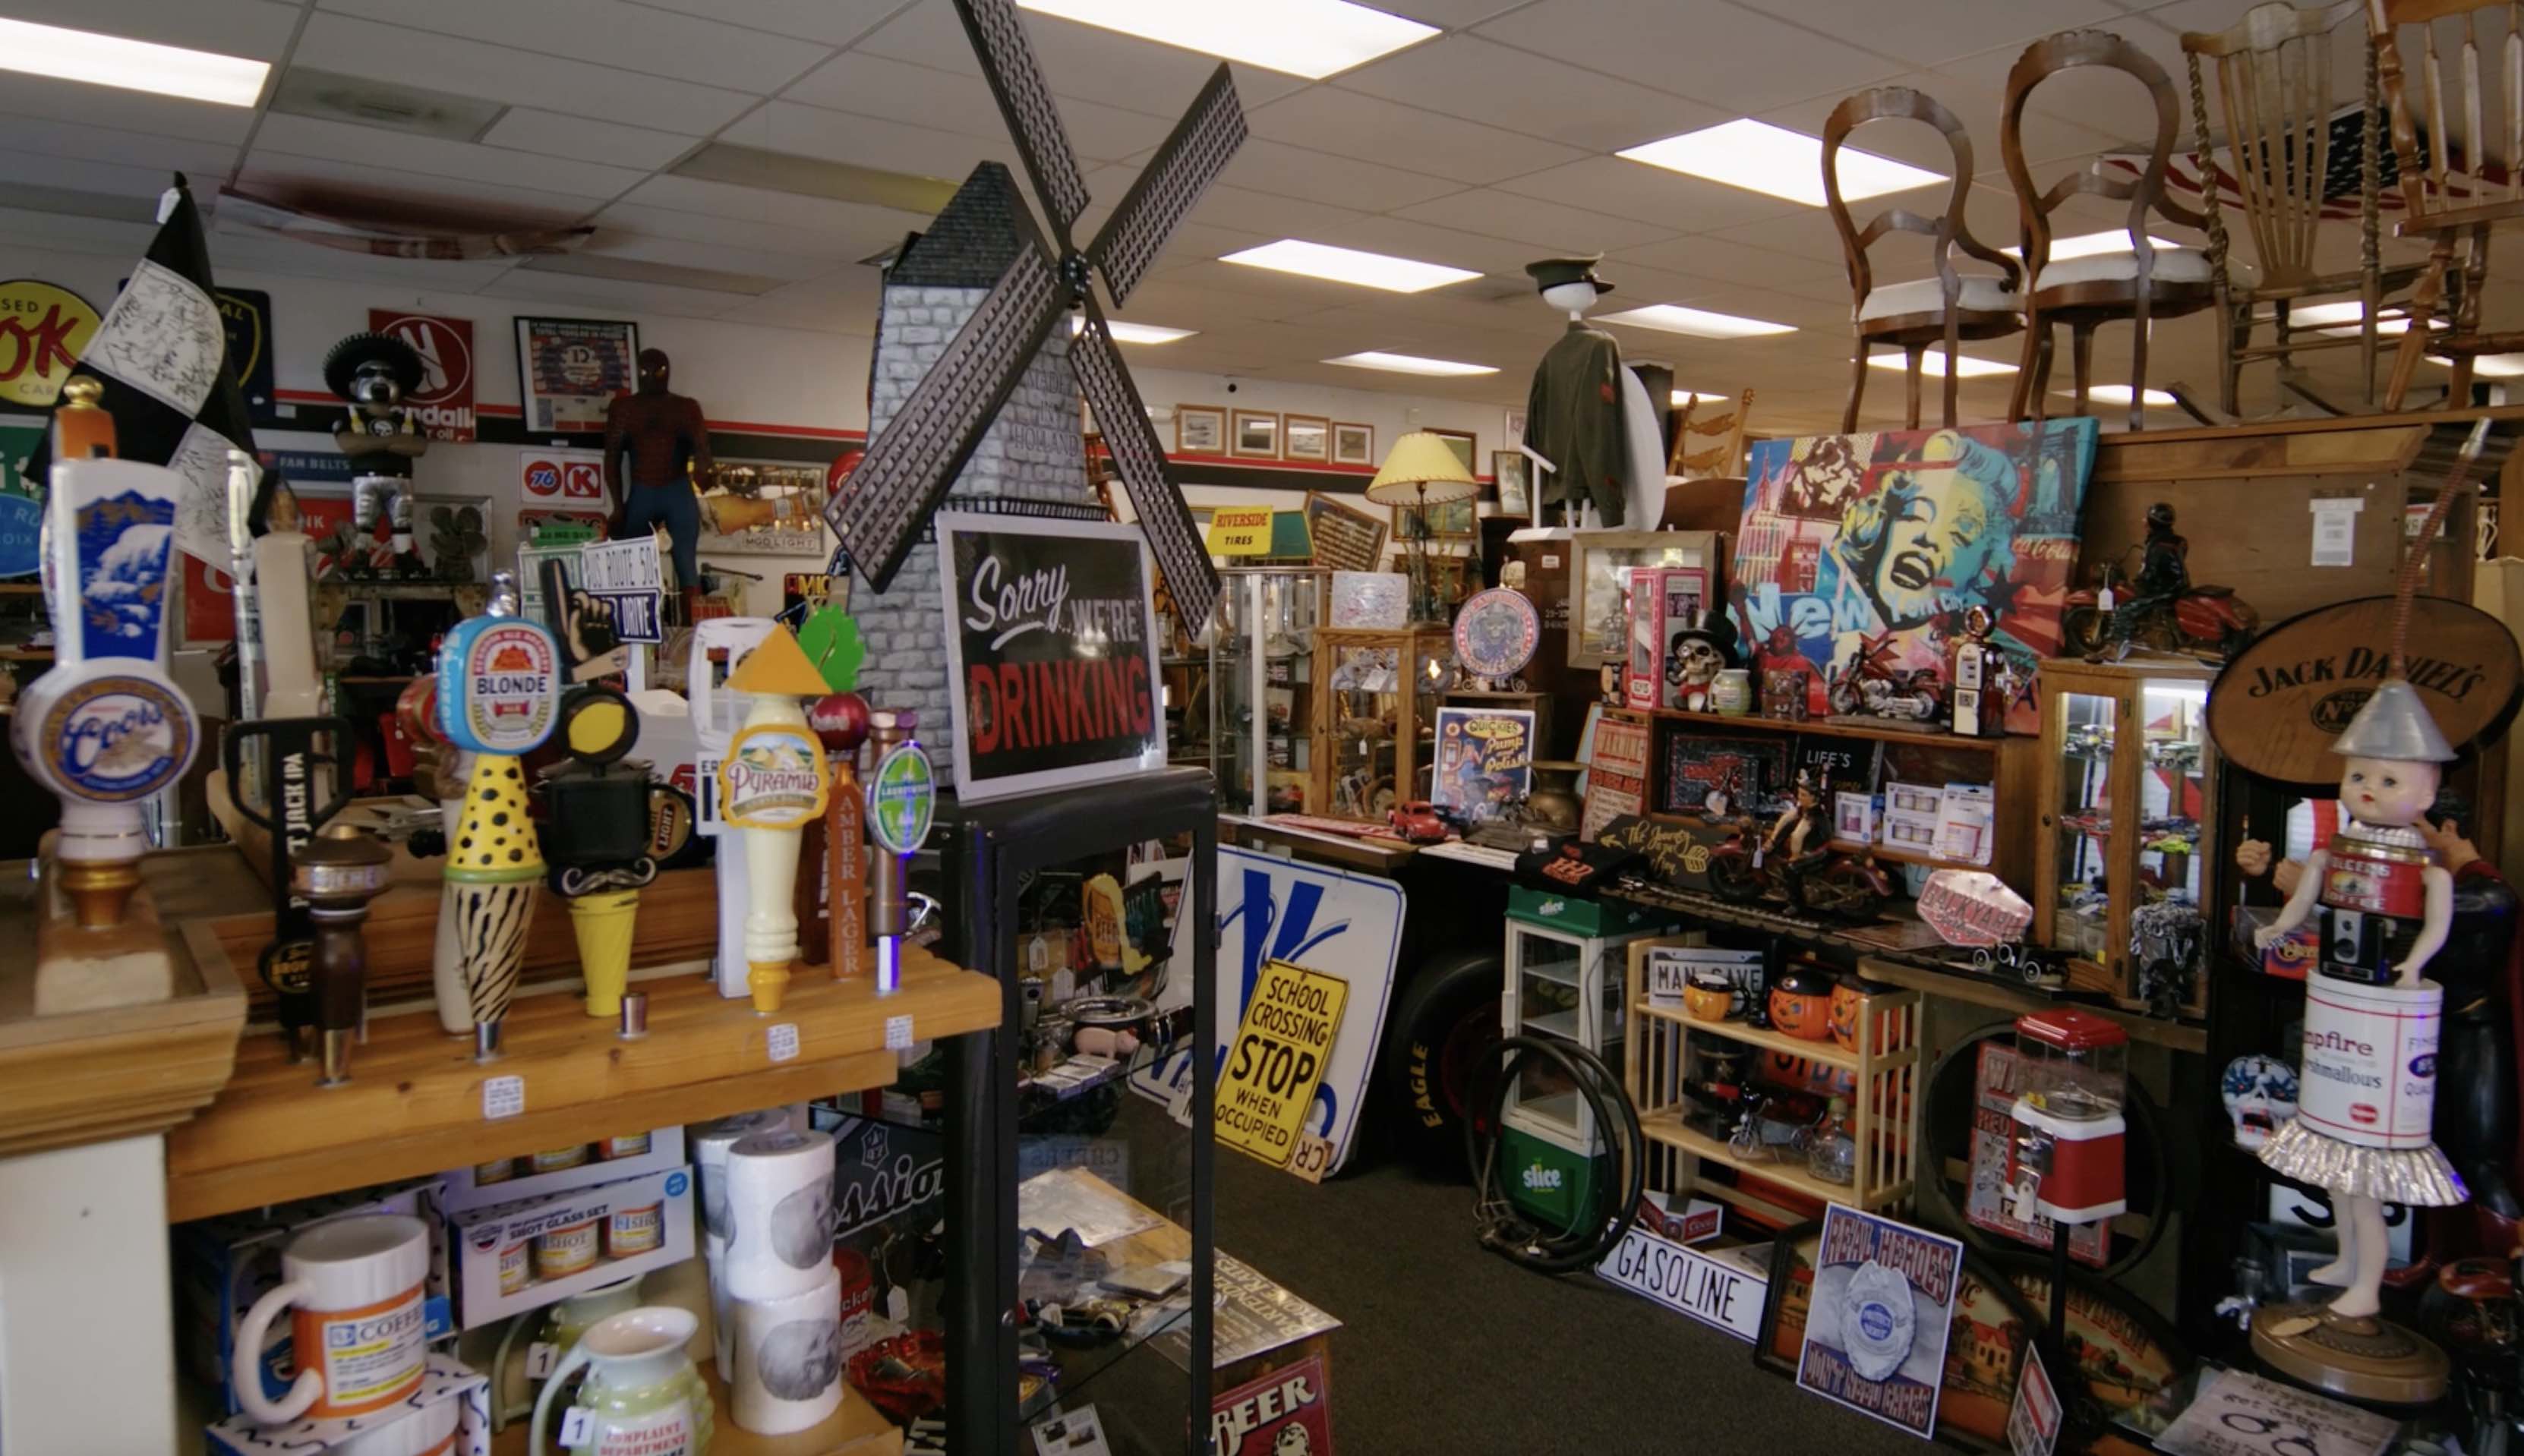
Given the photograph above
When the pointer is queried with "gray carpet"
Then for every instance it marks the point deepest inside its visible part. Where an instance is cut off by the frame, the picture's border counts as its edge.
(1448, 1350)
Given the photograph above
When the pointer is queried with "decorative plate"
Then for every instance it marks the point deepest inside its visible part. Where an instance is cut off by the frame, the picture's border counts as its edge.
(1495, 633)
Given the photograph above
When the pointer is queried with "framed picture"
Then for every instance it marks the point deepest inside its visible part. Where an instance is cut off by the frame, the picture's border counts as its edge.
(454, 536)
(1347, 538)
(1200, 429)
(1449, 521)
(1513, 429)
(1257, 435)
(1353, 445)
(1306, 437)
(569, 370)
(765, 507)
(1467, 448)
(1515, 475)
(1599, 584)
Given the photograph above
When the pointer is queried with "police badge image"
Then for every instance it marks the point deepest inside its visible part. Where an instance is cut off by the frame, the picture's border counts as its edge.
(1883, 1299)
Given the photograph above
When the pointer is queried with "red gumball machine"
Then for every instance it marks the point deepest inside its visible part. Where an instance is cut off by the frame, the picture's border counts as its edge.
(2066, 1160)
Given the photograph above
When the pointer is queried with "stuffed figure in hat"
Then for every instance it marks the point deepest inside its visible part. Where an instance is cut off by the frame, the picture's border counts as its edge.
(382, 436)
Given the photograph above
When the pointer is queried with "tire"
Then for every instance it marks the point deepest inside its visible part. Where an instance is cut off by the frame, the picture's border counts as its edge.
(1447, 1020)
(1734, 879)
(2084, 630)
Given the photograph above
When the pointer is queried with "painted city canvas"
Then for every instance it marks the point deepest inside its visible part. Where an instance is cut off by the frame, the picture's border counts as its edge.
(1878, 544)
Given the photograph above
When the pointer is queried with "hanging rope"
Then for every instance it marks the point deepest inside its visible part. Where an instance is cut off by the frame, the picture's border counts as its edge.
(2407, 588)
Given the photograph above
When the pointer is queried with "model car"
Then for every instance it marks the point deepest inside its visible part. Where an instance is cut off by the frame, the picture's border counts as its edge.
(1416, 822)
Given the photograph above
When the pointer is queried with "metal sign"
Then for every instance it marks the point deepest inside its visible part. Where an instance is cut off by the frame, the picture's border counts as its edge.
(1719, 1295)
(1280, 1053)
(628, 578)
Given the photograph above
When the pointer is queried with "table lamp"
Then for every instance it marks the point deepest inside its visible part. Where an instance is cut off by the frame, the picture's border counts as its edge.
(1420, 472)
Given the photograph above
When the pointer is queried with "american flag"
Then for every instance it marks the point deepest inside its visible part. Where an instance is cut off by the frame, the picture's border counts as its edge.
(2340, 178)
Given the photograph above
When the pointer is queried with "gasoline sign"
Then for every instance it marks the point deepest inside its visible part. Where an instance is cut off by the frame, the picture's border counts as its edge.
(1279, 1058)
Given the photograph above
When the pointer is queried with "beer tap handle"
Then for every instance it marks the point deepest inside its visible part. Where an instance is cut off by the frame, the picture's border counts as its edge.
(81, 429)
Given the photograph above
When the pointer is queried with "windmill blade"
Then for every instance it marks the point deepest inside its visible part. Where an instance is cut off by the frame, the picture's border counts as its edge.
(1163, 517)
(1202, 144)
(924, 447)
(1008, 61)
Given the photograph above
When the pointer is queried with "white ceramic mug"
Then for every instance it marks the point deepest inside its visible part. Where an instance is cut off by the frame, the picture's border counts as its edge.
(427, 1431)
(357, 1327)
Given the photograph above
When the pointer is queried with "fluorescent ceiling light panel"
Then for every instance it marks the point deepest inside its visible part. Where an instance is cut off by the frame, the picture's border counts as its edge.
(2120, 394)
(1674, 319)
(1133, 333)
(1349, 265)
(1312, 38)
(131, 65)
(1683, 397)
(1759, 157)
(1933, 364)
(2487, 365)
(1409, 363)
(2088, 244)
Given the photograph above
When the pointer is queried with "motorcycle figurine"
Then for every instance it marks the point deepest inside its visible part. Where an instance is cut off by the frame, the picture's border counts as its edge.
(1869, 686)
(2107, 620)
(1821, 881)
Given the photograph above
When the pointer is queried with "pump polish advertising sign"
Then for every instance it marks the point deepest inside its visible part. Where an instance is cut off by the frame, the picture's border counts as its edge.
(1051, 652)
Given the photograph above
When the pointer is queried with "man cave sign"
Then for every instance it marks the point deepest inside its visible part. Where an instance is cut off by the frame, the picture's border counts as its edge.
(1285, 1412)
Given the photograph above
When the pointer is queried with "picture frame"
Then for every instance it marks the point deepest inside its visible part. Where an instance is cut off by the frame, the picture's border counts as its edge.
(1448, 520)
(1256, 435)
(1200, 429)
(569, 370)
(1512, 428)
(1345, 538)
(1306, 437)
(1354, 445)
(1599, 622)
(462, 533)
(1515, 476)
(1467, 447)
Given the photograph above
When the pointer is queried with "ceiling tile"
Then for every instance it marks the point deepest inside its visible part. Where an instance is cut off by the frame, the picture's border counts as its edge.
(553, 134)
(1400, 237)
(609, 295)
(232, 252)
(832, 22)
(855, 229)
(1553, 228)
(127, 111)
(44, 170)
(1370, 129)
(1080, 60)
(1316, 176)
(1923, 35)
(208, 160)
(307, 136)
(865, 141)
(257, 30)
(607, 32)
(839, 303)
(900, 91)
(1240, 211)
(459, 196)
(1810, 237)
(77, 235)
(1649, 194)
(789, 268)
(356, 47)
(1713, 52)
(1482, 80)
(1730, 262)
(714, 229)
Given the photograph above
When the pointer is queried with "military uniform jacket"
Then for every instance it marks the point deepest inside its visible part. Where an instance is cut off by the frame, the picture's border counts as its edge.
(1573, 418)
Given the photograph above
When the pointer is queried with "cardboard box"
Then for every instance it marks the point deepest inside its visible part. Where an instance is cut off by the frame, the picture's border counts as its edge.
(448, 1379)
(223, 1265)
(462, 1191)
(1852, 818)
(478, 1237)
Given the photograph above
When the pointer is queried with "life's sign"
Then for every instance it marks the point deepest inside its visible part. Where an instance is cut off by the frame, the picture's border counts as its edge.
(1278, 1060)
(1687, 1281)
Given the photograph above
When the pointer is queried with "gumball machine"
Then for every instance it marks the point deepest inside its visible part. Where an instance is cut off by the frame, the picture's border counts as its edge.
(2066, 1160)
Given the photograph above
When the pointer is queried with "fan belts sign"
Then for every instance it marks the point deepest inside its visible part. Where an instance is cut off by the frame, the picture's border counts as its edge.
(2280, 702)
(1051, 651)
(43, 330)
(1279, 1058)
(444, 403)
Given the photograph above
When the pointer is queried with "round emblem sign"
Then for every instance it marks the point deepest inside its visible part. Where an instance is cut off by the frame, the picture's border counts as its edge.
(903, 796)
(118, 739)
(1495, 633)
(44, 328)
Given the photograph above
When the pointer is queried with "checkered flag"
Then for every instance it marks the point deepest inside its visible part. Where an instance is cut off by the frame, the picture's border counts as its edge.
(161, 355)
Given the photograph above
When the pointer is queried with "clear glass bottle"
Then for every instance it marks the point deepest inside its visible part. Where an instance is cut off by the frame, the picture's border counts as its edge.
(1831, 1153)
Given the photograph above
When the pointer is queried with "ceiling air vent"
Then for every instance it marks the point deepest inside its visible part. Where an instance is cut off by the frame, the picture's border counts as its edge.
(386, 105)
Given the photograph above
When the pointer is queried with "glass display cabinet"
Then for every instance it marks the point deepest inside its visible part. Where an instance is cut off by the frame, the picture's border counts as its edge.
(2127, 775)
(1262, 688)
(1375, 716)
(1083, 1123)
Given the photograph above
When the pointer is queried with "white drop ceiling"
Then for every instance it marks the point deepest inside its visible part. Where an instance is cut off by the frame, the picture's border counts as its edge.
(1482, 148)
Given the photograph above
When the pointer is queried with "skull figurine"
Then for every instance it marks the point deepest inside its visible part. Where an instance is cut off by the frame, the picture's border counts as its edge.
(2259, 1093)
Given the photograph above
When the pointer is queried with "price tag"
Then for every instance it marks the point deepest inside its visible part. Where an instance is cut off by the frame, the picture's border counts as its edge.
(503, 1096)
(2335, 529)
(1312, 1158)
(540, 1357)
(573, 1427)
(898, 1034)
(783, 1041)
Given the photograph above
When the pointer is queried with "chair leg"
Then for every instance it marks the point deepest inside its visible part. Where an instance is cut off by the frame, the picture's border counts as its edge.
(1857, 386)
(1911, 385)
(2236, 324)
(2027, 359)
(2138, 367)
(2370, 293)
(2422, 310)
(2081, 355)
(2458, 387)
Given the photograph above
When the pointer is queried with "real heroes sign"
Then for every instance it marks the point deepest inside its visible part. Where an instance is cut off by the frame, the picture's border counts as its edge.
(1051, 651)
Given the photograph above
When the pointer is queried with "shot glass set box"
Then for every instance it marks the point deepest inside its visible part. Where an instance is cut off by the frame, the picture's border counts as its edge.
(510, 1257)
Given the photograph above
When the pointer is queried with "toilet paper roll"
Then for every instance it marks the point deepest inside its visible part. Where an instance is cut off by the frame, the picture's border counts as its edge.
(779, 1213)
(710, 1143)
(788, 1359)
(722, 1311)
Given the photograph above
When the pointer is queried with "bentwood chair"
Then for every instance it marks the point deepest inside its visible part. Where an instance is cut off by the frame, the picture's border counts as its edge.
(2458, 179)
(2274, 86)
(1944, 310)
(2141, 283)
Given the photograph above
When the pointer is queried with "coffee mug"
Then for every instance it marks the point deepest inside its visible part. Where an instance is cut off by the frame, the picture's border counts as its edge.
(358, 1332)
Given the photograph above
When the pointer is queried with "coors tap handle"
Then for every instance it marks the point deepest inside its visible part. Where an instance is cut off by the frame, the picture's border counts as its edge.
(106, 730)
(499, 697)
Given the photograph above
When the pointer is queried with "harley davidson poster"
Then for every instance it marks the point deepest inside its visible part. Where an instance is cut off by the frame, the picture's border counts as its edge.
(1051, 652)
(1876, 1334)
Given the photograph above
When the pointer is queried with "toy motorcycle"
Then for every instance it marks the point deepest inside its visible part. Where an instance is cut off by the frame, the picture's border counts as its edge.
(2208, 620)
(1822, 881)
(1869, 686)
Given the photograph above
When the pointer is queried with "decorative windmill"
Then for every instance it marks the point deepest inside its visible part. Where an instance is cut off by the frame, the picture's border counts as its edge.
(910, 466)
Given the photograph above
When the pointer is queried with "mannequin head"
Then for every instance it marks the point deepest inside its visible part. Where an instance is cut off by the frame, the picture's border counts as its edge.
(1571, 298)
(1569, 284)
(2388, 792)
(656, 369)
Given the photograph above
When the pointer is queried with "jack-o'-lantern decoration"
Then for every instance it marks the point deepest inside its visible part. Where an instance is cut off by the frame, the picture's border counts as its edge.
(1848, 1012)
(1801, 1004)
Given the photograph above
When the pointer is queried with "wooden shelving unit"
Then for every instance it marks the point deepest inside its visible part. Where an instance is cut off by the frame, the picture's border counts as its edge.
(858, 1429)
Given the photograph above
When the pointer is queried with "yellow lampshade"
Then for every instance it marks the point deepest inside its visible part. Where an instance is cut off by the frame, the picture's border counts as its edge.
(1422, 468)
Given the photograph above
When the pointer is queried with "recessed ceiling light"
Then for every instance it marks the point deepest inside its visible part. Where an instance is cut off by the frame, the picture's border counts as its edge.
(1759, 157)
(1933, 364)
(2487, 365)
(1674, 319)
(2326, 317)
(2120, 394)
(1133, 333)
(131, 65)
(1683, 397)
(2088, 244)
(1409, 363)
(1312, 38)
(1349, 265)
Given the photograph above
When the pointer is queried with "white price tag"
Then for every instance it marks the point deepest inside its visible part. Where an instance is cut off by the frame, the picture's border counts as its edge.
(898, 1034)
(2335, 529)
(1312, 1157)
(503, 1096)
(573, 1427)
(782, 1040)
(540, 1357)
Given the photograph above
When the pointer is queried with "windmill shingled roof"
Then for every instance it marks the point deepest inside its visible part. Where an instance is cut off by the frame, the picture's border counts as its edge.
(971, 242)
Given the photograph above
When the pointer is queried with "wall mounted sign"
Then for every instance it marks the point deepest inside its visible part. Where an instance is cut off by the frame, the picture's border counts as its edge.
(1051, 651)
(44, 327)
(628, 579)
(569, 370)
(2280, 702)
(444, 403)
(22, 507)
(1346, 539)
(1496, 632)
(246, 313)
(772, 777)
(1883, 1304)
(552, 478)
(1484, 760)
(1240, 531)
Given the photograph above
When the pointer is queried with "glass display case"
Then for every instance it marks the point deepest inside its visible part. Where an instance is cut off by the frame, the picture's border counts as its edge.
(1375, 717)
(1262, 688)
(1564, 983)
(2127, 779)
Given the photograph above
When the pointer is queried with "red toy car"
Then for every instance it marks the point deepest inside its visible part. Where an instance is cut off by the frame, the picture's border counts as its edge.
(1417, 821)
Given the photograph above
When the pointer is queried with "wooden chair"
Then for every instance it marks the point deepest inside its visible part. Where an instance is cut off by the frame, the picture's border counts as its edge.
(1693, 458)
(1943, 310)
(2142, 284)
(2275, 76)
(2459, 185)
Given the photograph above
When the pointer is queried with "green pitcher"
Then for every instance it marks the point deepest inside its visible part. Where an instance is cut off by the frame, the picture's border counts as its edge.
(641, 1392)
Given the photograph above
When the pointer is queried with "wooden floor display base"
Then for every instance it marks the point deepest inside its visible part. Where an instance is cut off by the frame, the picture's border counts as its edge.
(2359, 1358)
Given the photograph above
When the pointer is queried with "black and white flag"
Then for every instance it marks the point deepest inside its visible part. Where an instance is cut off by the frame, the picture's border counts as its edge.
(161, 354)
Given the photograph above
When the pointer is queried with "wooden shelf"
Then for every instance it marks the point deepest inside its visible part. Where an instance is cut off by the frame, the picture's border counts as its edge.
(1986, 990)
(858, 1429)
(413, 1105)
(1821, 728)
(1667, 1128)
(1891, 855)
(1829, 1053)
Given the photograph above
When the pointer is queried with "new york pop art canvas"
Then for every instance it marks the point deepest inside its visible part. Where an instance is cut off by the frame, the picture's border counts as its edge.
(1878, 544)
